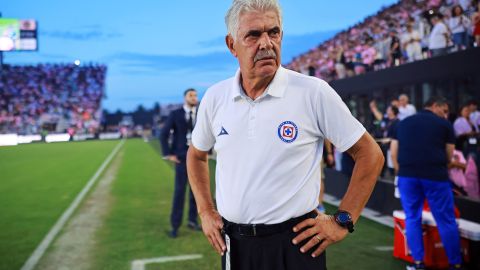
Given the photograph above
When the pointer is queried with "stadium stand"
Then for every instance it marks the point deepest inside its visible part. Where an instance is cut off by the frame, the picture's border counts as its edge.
(382, 40)
(51, 97)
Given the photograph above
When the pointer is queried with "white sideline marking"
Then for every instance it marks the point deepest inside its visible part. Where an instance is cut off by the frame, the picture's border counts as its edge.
(42, 247)
(140, 264)
(368, 213)
(384, 248)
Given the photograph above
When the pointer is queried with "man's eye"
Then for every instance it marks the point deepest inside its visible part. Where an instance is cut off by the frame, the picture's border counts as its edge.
(254, 34)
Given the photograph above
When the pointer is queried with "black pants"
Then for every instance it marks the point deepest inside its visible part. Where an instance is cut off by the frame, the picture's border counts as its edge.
(181, 180)
(272, 252)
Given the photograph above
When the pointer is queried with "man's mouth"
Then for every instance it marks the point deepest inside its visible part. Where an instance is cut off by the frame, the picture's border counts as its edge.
(265, 55)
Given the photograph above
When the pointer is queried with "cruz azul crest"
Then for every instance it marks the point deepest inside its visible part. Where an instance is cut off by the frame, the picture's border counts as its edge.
(287, 131)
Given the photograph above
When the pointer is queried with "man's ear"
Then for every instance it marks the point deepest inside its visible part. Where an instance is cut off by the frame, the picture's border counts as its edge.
(230, 44)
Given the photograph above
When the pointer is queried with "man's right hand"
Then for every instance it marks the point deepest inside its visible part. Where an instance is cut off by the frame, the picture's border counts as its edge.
(172, 158)
(212, 225)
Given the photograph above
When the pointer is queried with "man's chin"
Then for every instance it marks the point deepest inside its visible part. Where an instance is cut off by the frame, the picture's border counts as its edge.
(267, 68)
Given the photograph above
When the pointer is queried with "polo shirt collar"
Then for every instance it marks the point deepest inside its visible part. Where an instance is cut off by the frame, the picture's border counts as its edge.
(276, 88)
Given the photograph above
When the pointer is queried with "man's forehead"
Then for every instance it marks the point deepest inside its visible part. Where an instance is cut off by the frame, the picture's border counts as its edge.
(257, 19)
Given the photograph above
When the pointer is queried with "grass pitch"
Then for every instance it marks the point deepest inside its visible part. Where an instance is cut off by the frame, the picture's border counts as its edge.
(39, 181)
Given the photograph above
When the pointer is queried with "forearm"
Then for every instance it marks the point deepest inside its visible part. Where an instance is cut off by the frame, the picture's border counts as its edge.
(378, 115)
(199, 178)
(394, 154)
(457, 165)
(368, 164)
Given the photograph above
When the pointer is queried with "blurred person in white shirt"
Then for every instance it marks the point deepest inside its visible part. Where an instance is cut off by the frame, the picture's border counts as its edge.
(439, 37)
(411, 44)
(459, 25)
(405, 108)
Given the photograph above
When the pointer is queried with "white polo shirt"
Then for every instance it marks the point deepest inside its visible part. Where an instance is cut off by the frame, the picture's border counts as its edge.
(437, 38)
(269, 150)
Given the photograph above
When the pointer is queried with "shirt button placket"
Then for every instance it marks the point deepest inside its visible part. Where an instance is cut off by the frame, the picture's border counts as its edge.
(252, 115)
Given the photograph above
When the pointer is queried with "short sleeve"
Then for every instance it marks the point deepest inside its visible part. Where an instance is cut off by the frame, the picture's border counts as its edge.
(444, 30)
(459, 127)
(202, 135)
(335, 120)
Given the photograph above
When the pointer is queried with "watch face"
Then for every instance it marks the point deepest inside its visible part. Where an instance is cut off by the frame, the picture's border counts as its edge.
(344, 217)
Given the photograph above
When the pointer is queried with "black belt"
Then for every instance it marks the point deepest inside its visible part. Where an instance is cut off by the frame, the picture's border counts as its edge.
(264, 229)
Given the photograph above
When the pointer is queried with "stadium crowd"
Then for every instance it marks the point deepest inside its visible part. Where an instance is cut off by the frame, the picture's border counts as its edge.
(52, 97)
(404, 32)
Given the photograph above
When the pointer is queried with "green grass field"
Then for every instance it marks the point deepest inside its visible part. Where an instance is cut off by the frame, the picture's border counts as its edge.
(39, 181)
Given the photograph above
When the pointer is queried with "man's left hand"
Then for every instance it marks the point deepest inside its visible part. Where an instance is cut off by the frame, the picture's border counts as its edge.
(322, 231)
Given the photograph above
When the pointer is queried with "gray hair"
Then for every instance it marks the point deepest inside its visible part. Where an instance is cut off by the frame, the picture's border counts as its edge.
(240, 6)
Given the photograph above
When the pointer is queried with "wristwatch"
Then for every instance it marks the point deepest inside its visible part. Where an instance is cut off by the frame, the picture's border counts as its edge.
(344, 219)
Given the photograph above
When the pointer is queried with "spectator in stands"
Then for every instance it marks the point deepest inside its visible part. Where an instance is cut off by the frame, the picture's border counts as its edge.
(475, 113)
(395, 49)
(459, 25)
(379, 27)
(369, 54)
(385, 126)
(382, 47)
(340, 62)
(411, 44)
(476, 23)
(384, 119)
(359, 66)
(423, 174)
(466, 132)
(404, 107)
(463, 124)
(51, 96)
(439, 37)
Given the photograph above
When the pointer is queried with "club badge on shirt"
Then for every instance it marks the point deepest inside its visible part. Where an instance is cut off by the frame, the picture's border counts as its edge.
(288, 131)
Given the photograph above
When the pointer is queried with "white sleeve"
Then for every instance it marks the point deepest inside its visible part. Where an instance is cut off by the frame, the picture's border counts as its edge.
(202, 135)
(335, 120)
(444, 29)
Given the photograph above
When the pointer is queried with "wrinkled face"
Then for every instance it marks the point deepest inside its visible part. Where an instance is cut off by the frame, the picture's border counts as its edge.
(191, 98)
(257, 45)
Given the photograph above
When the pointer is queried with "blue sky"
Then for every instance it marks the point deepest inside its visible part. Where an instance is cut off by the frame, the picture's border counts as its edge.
(156, 49)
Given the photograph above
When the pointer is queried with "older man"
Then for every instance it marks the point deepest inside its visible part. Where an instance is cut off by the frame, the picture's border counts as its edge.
(268, 125)
(404, 107)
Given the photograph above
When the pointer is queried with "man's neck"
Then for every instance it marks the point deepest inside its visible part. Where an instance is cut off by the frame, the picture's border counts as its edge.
(186, 105)
(255, 87)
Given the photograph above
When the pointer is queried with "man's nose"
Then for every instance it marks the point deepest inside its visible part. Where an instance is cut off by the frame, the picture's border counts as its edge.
(265, 42)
